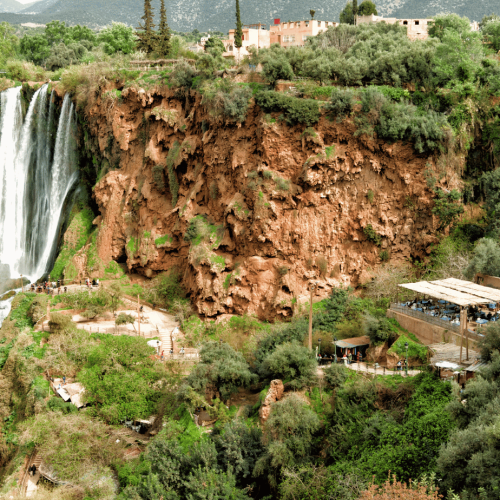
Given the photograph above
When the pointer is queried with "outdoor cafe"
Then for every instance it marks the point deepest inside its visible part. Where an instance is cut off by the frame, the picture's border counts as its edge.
(456, 304)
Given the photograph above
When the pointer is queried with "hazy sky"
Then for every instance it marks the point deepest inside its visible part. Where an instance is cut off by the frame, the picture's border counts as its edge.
(26, 1)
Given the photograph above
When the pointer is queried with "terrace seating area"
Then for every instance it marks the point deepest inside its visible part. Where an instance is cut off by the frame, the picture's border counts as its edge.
(477, 315)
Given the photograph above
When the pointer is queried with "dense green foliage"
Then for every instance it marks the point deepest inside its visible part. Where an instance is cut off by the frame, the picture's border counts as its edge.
(119, 379)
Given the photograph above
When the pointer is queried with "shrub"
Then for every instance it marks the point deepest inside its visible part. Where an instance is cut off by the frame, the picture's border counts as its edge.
(384, 256)
(119, 379)
(486, 259)
(60, 323)
(172, 156)
(288, 434)
(38, 308)
(158, 176)
(227, 98)
(296, 110)
(335, 375)
(397, 489)
(182, 75)
(292, 362)
(379, 330)
(447, 207)
(125, 319)
(372, 235)
(322, 264)
(221, 368)
(276, 67)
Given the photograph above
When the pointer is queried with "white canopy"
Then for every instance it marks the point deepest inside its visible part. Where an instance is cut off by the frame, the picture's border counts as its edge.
(154, 343)
(447, 364)
(460, 292)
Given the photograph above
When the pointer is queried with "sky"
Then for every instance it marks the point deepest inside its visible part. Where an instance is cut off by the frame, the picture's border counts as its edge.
(27, 1)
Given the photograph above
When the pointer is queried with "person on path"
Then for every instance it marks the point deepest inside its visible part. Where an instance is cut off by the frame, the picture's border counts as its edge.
(345, 359)
(349, 357)
(399, 366)
(162, 355)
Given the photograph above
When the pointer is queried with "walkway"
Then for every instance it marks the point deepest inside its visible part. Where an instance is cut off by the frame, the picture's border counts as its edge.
(381, 370)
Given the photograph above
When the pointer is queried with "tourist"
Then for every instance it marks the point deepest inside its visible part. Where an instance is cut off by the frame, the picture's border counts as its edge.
(162, 355)
(344, 358)
(349, 357)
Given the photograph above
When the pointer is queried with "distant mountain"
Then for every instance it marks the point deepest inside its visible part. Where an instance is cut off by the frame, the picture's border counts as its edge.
(11, 6)
(186, 15)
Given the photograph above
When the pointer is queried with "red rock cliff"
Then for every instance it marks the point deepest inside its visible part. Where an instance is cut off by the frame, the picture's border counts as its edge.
(277, 206)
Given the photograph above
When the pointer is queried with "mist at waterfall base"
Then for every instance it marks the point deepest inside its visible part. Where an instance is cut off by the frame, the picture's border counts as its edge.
(37, 173)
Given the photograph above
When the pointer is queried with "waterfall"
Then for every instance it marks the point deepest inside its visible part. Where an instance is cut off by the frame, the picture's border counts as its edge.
(37, 173)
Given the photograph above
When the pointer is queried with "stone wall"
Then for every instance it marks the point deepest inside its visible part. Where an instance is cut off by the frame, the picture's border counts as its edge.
(426, 332)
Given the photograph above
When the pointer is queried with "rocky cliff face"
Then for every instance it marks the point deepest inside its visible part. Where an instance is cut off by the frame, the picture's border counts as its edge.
(250, 214)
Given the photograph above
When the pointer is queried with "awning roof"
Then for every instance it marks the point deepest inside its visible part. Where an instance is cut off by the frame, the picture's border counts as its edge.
(354, 342)
(477, 366)
(462, 293)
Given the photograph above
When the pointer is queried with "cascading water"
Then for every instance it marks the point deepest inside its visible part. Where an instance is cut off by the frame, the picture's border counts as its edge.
(37, 173)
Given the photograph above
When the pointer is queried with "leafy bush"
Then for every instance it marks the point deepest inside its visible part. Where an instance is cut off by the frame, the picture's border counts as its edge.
(341, 102)
(119, 379)
(182, 75)
(296, 110)
(379, 330)
(291, 362)
(227, 98)
(447, 207)
(372, 235)
(220, 368)
(61, 323)
(288, 434)
(485, 260)
(335, 375)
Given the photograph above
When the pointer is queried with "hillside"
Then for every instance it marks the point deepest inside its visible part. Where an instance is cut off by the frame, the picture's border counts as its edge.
(205, 15)
(12, 6)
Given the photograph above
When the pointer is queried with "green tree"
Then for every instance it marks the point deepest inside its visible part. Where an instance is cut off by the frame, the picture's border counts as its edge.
(214, 44)
(117, 37)
(120, 378)
(491, 34)
(288, 434)
(145, 32)
(367, 8)
(378, 329)
(486, 19)
(447, 207)
(312, 12)
(238, 34)
(276, 67)
(56, 32)
(62, 56)
(490, 343)
(292, 362)
(486, 259)
(78, 34)
(347, 14)
(9, 42)
(335, 375)
(221, 370)
(355, 10)
(442, 22)
(35, 48)
(163, 44)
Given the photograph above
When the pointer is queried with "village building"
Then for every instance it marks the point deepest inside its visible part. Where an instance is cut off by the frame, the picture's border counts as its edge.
(417, 28)
(255, 35)
(296, 33)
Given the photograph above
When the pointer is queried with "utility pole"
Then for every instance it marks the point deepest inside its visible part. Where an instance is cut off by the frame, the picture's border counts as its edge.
(139, 314)
(313, 286)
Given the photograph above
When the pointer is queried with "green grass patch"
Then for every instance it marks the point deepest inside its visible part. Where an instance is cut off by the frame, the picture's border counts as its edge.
(163, 239)
(414, 350)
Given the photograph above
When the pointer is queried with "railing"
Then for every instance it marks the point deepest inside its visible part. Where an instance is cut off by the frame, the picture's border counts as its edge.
(433, 320)
(376, 369)
(436, 321)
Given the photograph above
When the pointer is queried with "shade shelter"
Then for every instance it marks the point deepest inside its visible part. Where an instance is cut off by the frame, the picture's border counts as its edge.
(355, 344)
(459, 292)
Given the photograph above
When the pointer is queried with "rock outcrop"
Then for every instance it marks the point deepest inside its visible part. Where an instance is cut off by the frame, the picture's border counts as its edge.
(275, 393)
(250, 213)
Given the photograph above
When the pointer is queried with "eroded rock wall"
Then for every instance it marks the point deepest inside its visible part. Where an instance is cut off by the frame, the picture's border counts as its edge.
(275, 206)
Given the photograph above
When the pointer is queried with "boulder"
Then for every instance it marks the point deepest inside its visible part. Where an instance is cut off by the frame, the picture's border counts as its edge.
(275, 393)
